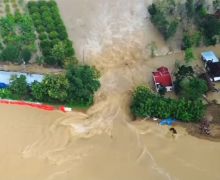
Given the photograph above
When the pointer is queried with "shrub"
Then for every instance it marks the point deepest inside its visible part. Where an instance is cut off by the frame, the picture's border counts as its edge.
(44, 9)
(41, 3)
(45, 44)
(50, 27)
(40, 29)
(46, 51)
(37, 22)
(63, 35)
(31, 4)
(26, 55)
(187, 41)
(53, 88)
(193, 88)
(47, 20)
(53, 35)
(69, 51)
(49, 60)
(11, 53)
(189, 55)
(43, 36)
(19, 87)
(58, 53)
(33, 9)
(36, 16)
(52, 4)
(55, 41)
(5, 94)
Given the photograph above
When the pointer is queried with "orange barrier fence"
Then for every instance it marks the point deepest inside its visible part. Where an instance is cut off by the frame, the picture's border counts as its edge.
(23, 103)
(35, 105)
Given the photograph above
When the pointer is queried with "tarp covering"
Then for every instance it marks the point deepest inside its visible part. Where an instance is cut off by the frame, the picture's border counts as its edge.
(3, 85)
(168, 121)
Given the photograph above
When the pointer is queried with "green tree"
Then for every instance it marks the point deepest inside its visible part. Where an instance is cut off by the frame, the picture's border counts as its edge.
(39, 92)
(187, 41)
(189, 55)
(53, 88)
(193, 88)
(11, 53)
(58, 53)
(83, 82)
(184, 72)
(19, 87)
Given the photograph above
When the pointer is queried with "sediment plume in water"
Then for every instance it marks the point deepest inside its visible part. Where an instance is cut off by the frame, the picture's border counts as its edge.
(103, 143)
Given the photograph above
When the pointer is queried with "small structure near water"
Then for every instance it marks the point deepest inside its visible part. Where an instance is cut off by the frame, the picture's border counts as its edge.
(212, 65)
(209, 56)
(162, 78)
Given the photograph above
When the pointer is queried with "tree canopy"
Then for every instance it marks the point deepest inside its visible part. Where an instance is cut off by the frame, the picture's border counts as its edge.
(147, 104)
(19, 87)
(83, 82)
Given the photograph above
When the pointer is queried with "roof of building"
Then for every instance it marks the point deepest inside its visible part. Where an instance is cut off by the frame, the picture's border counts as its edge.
(163, 77)
(6, 76)
(209, 56)
(213, 69)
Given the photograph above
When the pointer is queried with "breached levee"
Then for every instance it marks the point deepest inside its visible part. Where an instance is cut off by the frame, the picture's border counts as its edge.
(103, 144)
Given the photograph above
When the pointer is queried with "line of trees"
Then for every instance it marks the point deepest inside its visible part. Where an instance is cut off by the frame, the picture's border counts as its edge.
(54, 43)
(75, 87)
(147, 104)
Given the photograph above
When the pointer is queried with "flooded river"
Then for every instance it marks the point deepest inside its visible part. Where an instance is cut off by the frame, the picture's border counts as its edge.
(103, 143)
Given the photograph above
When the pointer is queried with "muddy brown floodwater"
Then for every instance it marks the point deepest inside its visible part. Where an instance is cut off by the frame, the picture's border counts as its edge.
(103, 143)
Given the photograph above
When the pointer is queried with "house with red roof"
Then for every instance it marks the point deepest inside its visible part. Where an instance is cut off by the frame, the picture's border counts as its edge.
(162, 78)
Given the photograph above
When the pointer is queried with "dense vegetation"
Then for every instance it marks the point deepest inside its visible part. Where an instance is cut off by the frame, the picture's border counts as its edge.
(147, 104)
(17, 38)
(197, 22)
(188, 85)
(167, 26)
(76, 87)
(54, 43)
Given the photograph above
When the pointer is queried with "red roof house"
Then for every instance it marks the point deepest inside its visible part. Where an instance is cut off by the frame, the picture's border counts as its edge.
(162, 78)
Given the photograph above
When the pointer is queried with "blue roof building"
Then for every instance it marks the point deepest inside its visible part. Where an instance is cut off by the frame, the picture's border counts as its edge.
(209, 56)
